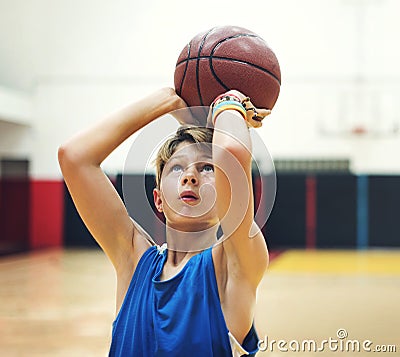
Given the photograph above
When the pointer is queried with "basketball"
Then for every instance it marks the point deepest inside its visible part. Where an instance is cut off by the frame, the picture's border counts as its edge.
(225, 58)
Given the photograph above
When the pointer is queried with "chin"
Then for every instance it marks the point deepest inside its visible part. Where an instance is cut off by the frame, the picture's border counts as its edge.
(192, 224)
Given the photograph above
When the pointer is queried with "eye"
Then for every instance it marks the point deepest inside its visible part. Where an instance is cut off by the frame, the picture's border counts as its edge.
(176, 168)
(208, 168)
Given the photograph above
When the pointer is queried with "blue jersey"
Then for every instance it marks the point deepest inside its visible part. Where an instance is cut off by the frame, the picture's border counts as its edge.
(181, 316)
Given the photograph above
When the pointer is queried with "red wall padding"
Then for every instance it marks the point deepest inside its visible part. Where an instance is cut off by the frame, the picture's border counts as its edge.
(46, 214)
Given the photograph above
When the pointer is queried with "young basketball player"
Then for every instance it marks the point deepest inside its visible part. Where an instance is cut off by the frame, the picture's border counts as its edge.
(197, 297)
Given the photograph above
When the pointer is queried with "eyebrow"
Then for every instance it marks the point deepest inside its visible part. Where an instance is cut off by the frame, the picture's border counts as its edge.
(180, 156)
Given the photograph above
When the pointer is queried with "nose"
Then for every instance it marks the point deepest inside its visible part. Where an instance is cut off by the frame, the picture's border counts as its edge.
(189, 177)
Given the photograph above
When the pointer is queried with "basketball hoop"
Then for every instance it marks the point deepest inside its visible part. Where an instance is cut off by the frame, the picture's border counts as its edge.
(358, 130)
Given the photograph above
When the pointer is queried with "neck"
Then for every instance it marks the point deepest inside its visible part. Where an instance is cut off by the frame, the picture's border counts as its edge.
(187, 242)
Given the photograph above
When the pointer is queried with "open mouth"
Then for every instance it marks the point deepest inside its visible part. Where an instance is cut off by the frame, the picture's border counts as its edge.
(188, 196)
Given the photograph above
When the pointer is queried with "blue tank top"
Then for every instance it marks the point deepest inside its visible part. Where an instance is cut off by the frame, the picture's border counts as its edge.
(181, 316)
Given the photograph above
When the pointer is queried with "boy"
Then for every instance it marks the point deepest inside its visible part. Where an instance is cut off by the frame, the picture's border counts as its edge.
(178, 302)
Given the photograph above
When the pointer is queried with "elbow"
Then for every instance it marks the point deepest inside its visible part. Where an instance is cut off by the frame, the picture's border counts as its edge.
(67, 159)
(61, 154)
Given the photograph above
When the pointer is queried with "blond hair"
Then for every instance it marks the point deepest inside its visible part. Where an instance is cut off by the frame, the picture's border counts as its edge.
(186, 133)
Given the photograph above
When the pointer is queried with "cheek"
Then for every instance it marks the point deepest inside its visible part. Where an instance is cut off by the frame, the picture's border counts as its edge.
(208, 195)
(168, 181)
(208, 185)
(169, 189)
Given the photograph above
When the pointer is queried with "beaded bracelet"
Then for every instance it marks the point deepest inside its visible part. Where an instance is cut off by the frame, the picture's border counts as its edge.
(226, 97)
(228, 105)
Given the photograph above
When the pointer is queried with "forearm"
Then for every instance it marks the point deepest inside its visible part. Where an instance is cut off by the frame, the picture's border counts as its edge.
(94, 144)
(232, 166)
(231, 133)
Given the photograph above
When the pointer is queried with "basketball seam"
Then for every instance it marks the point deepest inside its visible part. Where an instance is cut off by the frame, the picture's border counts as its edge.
(203, 40)
(234, 60)
(215, 75)
(186, 67)
(219, 80)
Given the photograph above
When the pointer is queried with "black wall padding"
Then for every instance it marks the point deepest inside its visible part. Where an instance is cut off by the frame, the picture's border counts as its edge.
(138, 190)
(286, 224)
(75, 232)
(336, 211)
(384, 211)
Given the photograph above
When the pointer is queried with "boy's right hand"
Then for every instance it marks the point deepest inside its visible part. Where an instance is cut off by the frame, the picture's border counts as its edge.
(184, 114)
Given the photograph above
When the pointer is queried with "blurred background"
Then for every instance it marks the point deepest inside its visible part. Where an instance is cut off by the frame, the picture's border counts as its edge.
(334, 134)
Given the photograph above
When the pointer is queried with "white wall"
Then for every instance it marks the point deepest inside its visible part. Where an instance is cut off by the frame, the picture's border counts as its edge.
(79, 60)
(15, 123)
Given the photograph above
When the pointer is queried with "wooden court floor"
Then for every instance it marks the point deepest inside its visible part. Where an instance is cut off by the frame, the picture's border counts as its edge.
(61, 303)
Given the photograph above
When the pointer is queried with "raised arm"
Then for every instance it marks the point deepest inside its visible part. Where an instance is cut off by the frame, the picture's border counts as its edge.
(244, 247)
(95, 198)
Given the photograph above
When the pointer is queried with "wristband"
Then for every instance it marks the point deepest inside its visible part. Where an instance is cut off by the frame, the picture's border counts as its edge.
(228, 105)
(228, 102)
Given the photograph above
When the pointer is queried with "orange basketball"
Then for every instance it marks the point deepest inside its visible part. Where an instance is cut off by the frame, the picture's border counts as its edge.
(225, 58)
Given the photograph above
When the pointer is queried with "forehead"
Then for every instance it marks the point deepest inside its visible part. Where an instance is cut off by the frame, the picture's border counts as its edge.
(192, 151)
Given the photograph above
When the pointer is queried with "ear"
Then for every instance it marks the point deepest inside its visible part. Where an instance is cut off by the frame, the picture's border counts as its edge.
(157, 199)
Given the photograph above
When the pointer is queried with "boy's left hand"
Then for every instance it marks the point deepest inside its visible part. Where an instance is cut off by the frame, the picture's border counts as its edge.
(254, 116)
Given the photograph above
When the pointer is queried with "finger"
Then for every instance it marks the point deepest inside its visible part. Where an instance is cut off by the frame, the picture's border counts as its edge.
(264, 112)
(246, 102)
(237, 93)
(260, 114)
(255, 124)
